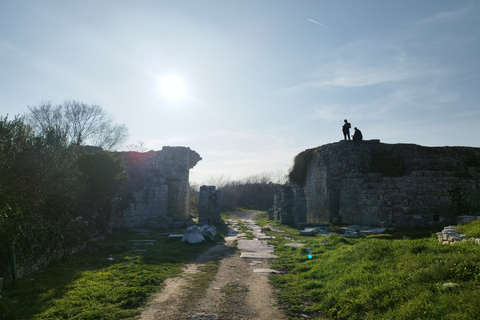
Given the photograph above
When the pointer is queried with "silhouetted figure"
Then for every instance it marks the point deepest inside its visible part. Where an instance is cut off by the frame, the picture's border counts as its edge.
(357, 135)
(346, 130)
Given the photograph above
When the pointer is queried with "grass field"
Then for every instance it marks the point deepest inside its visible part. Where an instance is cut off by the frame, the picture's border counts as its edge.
(110, 281)
(396, 276)
(377, 277)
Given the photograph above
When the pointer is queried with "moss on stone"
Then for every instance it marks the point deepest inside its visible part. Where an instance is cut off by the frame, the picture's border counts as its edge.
(298, 174)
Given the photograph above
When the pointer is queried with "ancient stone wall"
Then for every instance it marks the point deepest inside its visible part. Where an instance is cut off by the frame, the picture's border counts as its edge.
(282, 205)
(289, 205)
(209, 206)
(157, 190)
(391, 185)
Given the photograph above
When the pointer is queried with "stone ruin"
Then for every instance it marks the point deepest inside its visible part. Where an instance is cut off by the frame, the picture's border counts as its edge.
(386, 185)
(209, 206)
(289, 205)
(157, 193)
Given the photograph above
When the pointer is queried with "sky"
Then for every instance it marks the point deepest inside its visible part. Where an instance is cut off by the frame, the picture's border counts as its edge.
(262, 80)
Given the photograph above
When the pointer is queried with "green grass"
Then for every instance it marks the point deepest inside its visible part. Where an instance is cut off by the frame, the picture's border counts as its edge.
(92, 287)
(377, 278)
(244, 229)
(234, 213)
(471, 229)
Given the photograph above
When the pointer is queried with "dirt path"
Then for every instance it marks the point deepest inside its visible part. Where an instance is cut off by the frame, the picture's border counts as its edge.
(236, 292)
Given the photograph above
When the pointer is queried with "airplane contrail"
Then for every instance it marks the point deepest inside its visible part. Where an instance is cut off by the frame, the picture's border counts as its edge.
(321, 24)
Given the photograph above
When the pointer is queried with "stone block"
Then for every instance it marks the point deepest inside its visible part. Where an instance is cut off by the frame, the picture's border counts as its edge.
(175, 237)
(270, 214)
(308, 232)
(208, 232)
(193, 235)
(465, 219)
(209, 206)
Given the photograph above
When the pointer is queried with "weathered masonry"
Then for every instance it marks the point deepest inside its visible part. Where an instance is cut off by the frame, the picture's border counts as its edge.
(390, 185)
(157, 192)
(289, 205)
(209, 206)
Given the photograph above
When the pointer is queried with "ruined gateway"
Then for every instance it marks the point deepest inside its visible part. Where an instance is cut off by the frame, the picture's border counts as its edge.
(378, 184)
(157, 192)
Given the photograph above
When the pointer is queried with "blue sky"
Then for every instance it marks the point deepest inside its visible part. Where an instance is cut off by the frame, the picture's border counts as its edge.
(264, 80)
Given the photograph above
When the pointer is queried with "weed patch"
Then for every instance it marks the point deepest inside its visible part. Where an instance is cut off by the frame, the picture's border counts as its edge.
(244, 229)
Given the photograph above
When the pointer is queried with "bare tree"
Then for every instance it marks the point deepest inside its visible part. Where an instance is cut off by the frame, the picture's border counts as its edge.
(45, 117)
(81, 123)
(219, 181)
(138, 147)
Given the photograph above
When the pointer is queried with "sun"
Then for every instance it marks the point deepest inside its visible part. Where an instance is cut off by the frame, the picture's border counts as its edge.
(173, 87)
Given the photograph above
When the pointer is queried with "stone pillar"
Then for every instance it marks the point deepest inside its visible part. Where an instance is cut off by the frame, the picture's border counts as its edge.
(290, 205)
(209, 206)
(299, 206)
(176, 163)
(283, 203)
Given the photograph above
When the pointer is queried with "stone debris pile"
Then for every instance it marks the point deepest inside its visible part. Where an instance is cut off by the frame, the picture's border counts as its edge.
(353, 231)
(194, 234)
(208, 232)
(450, 235)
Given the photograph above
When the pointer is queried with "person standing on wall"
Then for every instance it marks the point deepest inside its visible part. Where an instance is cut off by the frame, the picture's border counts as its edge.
(346, 130)
(357, 135)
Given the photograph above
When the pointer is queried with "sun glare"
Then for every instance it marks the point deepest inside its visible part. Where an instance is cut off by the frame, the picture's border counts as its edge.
(173, 87)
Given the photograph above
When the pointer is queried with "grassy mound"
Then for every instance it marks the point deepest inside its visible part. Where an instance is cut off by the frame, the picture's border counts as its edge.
(377, 278)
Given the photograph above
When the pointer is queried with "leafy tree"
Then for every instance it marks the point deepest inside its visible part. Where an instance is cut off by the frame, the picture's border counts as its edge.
(102, 176)
(36, 185)
(46, 183)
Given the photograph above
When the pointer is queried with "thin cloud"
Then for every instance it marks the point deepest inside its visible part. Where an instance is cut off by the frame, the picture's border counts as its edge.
(448, 15)
(350, 74)
(327, 112)
(316, 22)
(378, 59)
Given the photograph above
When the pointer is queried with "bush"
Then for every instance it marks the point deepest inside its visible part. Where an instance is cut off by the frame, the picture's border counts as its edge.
(46, 183)
(254, 192)
(298, 174)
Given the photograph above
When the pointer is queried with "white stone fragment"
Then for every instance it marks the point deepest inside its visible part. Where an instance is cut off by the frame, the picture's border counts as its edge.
(193, 235)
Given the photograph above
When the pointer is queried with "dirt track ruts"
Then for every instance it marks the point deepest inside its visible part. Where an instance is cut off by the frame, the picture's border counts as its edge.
(235, 293)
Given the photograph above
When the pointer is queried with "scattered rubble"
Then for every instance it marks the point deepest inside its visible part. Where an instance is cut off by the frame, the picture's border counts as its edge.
(193, 235)
(208, 232)
(450, 235)
(353, 231)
